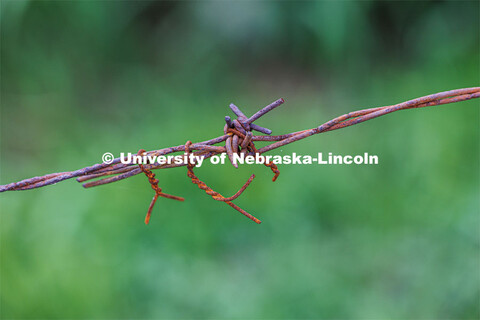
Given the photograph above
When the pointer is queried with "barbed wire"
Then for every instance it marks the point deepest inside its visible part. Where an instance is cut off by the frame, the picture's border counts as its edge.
(238, 138)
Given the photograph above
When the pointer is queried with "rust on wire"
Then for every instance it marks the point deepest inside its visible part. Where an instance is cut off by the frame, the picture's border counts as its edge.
(215, 195)
(158, 191)
(238, 139)
(248, 144)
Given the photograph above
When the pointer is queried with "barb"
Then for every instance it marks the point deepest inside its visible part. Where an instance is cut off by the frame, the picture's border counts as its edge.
(249, 145)
(158, 191)
(238, 138)
(215, 195)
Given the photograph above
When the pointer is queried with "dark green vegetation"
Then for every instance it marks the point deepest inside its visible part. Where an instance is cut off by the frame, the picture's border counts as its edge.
(397, 240)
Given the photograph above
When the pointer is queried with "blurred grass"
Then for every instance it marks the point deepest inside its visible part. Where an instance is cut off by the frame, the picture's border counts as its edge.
(397, 240)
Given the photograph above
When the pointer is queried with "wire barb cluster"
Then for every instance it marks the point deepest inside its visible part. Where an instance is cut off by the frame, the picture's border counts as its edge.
(238, 138)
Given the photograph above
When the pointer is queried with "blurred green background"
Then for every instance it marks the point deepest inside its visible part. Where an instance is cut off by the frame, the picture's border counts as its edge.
(397, 240)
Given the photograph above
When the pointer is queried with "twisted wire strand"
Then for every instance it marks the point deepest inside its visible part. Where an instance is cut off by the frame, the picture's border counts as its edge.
(215, 195)
(252, 148)
(154, 184)
(238, 137)
(123, 171)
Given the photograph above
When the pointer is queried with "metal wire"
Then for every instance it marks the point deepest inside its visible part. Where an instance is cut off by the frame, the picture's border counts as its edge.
(158, 191)
(215, 195)
(238, 138)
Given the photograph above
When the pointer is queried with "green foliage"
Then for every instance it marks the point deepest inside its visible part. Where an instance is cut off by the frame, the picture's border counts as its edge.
(397, 240)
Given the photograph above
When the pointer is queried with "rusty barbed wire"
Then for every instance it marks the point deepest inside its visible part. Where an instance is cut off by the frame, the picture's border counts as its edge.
(215, 195)
(238, 138)
(247, 145)
(158, 191)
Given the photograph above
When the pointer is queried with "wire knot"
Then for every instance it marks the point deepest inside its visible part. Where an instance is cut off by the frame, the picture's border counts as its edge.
(240, 141)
